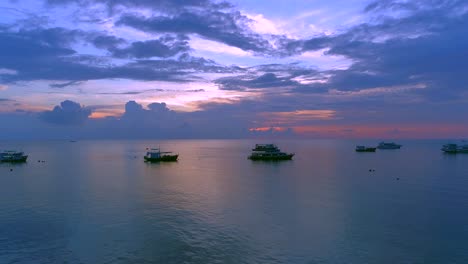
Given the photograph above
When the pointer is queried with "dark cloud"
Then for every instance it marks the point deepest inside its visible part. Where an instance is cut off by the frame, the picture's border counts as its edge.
(273, 77)
(48, 57)
(409, 43)
(214, 20)
(107, 42)
(228, 27)
(166, 46)
(67, 113)
(165, 5)
(267, 80)
(65, 84)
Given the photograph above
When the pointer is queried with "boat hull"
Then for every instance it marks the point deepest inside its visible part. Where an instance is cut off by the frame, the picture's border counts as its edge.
(455, 151)
(162, 158)
(366, 150)
(393, 147)
(14, 160)
(272, 158)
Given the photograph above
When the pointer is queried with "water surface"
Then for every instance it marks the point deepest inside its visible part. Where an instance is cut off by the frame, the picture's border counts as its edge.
(98, 202)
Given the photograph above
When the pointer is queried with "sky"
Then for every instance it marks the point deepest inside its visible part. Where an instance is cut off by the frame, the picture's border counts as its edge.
(385, 69)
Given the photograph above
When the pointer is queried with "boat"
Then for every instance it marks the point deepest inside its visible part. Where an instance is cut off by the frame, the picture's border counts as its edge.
(155, 155)
(388, 145)
(269, 152)
(454, 148)
(365, 149)
(13, 156)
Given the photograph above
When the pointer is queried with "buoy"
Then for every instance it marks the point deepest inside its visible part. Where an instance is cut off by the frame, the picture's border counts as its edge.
(11, 169)
(398, 179)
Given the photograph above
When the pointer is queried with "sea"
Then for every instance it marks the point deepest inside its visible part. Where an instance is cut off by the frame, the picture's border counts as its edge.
(99, 202)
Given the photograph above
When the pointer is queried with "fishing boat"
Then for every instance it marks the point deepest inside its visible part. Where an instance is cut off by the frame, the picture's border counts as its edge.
(365, 149)
(388, 145)
(13, 156)
(155, 155)
(454, 148)
(269, 152)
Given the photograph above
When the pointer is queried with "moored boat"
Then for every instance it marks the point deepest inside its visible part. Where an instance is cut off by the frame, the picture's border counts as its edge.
(269, 152)
(454, 148)
(155, 155)
(365, 149)
(13, 156)
(388, 145)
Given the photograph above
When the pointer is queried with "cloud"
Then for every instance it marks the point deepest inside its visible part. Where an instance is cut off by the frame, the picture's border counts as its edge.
(42, 55)
(273, 77)
(408, 43)
(166, 46)
(267, 80)
(226, 27)
(165, 5)
(65, 84)
(68, 113)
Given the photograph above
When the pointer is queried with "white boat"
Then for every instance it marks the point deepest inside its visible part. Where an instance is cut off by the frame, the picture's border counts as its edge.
(454, 148)
(13, 156)
(388, 145)
(269, 152)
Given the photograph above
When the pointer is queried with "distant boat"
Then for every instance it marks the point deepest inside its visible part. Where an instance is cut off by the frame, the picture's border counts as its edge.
(365, 149)
(13, 156)
(155, 155)
(269, 152)
(388, 145)
(454, 148)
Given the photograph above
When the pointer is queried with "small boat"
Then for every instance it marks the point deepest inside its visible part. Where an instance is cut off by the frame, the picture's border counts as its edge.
(269, 152)
(454, 148)
(155, 155)
(388, 145)
(13, 156)
(365, 149)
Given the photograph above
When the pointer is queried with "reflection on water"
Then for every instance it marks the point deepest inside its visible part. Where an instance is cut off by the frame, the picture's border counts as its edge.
(98, 202)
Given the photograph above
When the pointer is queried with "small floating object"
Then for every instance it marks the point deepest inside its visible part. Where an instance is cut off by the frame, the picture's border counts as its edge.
(11, 169)
(398, 179)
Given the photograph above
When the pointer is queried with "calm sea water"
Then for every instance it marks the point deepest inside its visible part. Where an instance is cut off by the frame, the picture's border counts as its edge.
(98, 202)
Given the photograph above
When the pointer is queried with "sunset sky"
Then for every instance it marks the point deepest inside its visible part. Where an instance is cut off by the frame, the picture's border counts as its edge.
(211, 69)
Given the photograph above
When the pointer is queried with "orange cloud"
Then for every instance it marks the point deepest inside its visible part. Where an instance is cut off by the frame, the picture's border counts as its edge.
(102, 113)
